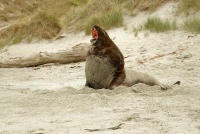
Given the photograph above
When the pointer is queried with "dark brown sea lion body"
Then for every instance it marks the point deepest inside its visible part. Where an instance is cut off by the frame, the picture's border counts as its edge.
(105, 65)
(105, 62)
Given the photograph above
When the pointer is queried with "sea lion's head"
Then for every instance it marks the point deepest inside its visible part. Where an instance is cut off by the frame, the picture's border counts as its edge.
(99, 35)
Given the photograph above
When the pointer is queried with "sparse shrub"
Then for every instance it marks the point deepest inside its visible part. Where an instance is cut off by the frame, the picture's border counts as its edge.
(77, 2)
(174, 25)
(16, 9)
(93, 21)
(44, 26)
(114, 18)
(146, 34)
(155, 24)
(192, 25)
(132, 7)
(186, 6)
(41, 26)
(17, 40)
(3, 41)
(136, 30)
(107, 20)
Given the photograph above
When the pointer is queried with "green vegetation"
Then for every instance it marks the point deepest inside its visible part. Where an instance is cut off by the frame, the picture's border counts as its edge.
(155, 24)
(187, 6)
(114, 18)
(41, 26)
(136, 30)
(31, 20)
(44, 19)
(192, 25)
(77, 2)
(132, 7)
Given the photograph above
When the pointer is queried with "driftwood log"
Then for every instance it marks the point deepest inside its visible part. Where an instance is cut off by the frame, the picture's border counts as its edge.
(76, 54)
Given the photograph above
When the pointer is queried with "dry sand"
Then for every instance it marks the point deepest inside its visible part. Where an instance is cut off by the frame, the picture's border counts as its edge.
(52, 99)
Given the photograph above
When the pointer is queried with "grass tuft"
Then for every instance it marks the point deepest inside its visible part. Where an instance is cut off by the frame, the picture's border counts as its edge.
(192, 25)
(77, 2)
(132, 7)
(41, 26)
(107, 20)
(186, 6)
(155, 24)
(137, 29)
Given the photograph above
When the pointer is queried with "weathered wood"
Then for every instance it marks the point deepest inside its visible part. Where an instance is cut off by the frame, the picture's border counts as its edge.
(76, 54)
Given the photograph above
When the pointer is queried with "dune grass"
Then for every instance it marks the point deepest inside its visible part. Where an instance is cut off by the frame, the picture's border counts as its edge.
(156, 24)
(17, 9)
(132, 7)
(77, 2)
(43, 26)
(192, 25)
(111, 19)
(137, 29)
(40, 26)
(44, 19)
(188, 6)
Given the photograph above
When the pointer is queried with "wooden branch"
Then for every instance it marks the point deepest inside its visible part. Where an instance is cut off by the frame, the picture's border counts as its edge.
(104, 129)
(180, 50)
(76, 54)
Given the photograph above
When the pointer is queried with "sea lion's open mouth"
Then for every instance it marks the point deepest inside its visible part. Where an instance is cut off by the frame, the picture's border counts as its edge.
(94, 36)
(94, 33)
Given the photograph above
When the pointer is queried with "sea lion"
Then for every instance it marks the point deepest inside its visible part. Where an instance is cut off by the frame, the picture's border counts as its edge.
(105, 65)
(105, 62)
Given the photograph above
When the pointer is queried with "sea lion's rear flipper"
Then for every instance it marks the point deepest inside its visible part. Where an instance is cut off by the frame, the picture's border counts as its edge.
(177, 83)
(133, 77)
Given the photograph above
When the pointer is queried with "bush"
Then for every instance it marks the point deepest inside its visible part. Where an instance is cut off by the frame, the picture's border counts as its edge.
(192, 25)
(106, 20)
(157, 25)
(43, 26)
(77, 2)
(187, 5)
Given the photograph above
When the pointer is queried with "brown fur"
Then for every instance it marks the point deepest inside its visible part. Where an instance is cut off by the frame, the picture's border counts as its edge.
(104, 63)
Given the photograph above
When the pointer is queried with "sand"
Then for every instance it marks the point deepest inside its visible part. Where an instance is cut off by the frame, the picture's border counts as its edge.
(52, 99)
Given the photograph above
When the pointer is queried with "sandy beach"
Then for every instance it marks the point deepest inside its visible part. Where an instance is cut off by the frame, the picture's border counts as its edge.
(52, 99)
